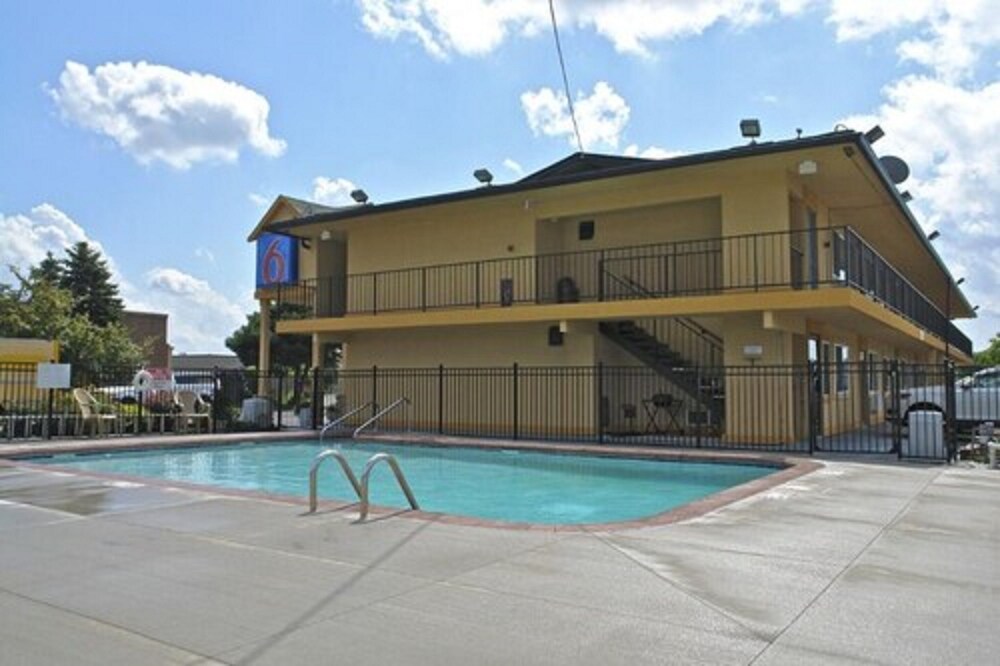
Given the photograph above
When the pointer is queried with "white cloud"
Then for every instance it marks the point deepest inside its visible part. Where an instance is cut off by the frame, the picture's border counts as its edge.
(26, 237)
(259, 200)
(200, 316)
(442, 27)
(946, 132)
(601, 116)
(205, 253)
(514, 167)
(650, 153)
(333, 191)
(477, 27)
(951, 35)
(157, 113)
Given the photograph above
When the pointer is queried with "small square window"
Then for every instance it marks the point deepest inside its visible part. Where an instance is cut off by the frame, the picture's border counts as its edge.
(555, 336)
(586, 230)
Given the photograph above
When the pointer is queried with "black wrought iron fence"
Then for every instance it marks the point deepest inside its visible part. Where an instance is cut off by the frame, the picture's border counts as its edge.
(885, 407)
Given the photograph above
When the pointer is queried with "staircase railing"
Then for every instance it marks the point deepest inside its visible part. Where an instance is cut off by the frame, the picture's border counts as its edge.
(687, 337)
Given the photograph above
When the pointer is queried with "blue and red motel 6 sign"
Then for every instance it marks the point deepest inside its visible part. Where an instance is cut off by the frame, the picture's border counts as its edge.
(277, 260)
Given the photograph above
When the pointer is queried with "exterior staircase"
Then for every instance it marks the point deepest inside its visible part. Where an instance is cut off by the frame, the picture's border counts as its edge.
(696, 373)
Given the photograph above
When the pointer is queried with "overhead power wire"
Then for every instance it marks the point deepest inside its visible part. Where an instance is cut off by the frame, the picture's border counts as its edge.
(562, 67)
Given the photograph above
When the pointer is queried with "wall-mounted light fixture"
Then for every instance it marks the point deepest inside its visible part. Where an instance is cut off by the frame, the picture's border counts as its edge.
(483, 176)
(750, 129)
(874, 134)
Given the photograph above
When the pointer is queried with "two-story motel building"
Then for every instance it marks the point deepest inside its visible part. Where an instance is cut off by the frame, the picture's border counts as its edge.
(769, 254)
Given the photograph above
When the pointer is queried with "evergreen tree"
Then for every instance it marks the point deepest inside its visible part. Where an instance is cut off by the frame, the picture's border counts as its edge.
(48, 270)
(87, 277)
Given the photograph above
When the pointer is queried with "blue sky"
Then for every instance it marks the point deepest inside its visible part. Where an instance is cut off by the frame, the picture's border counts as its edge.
(165, 164)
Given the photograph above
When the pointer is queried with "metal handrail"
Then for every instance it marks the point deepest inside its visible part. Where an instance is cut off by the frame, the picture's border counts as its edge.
(710, 338)
(382, 413)
(314, 473)
(342, 419)
(390, 460)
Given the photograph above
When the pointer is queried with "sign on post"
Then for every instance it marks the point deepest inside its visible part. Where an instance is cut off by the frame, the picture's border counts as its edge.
(52, 376)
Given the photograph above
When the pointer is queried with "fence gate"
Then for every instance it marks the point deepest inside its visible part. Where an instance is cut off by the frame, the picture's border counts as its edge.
(885, 407)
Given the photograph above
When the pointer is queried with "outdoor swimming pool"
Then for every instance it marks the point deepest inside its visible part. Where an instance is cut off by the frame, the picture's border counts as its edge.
(494, 484)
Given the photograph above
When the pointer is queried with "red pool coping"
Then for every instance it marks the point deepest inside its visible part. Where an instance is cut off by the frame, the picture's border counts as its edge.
(787, 469)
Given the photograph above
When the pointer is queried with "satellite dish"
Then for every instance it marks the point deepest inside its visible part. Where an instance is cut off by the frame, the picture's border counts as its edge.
(896, 168)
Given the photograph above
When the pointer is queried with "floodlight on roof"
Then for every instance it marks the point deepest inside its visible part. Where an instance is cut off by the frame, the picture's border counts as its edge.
(959, 281)
(483, 176)
(360, 196)
(874, 134)
(750, 128)
(906, 196)
(934, 235)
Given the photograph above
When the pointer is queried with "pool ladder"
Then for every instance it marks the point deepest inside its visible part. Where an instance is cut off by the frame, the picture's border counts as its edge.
(361, 488)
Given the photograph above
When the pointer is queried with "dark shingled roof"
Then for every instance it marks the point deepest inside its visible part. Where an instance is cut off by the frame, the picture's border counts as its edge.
(580, 163)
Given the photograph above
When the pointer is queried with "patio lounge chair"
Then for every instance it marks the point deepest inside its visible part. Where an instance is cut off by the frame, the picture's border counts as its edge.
(193, 411)
(96, 421)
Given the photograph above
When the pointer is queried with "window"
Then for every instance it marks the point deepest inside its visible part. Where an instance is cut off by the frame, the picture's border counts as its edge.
(841, 358)
(586, 230)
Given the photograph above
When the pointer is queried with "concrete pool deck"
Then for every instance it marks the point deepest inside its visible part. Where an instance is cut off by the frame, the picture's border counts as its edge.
(882, 563)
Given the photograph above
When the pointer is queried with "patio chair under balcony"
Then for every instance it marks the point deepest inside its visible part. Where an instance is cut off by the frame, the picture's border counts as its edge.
(193, 411)
(94, 416)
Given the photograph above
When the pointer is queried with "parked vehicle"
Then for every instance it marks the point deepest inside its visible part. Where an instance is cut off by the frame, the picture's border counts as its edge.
(977, 398)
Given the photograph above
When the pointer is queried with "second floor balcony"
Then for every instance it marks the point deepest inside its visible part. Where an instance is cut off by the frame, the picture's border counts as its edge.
(806, 259)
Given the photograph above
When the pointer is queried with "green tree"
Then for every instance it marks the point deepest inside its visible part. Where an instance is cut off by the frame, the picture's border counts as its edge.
(37, 308)
(990, 355)
(49, 269)
(87, 277)
(287, 351)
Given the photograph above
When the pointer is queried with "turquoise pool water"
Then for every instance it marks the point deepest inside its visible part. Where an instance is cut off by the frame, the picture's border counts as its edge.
(504, 485)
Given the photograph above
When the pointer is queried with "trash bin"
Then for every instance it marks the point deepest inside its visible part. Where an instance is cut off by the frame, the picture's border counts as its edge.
(925, 437)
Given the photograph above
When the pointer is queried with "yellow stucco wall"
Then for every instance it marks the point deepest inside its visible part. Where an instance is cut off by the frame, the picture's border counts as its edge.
(22, 350)
(471, 347)
(17, 381)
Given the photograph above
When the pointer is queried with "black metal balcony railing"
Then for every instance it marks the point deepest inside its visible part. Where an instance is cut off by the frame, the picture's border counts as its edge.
(755, 262)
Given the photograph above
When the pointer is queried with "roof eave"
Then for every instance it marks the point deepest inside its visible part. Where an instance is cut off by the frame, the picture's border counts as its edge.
(897, 199)
(681, 161)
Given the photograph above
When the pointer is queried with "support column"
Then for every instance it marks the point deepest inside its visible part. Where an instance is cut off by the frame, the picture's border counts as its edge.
(317, 350)
(264, 363)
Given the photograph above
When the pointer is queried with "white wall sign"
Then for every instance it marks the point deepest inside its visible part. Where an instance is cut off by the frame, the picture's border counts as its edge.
(52, 375)
(753, 351)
